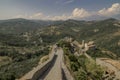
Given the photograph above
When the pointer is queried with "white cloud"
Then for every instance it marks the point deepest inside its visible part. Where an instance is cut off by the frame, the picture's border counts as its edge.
(47, 17)
(61, 17)
(113, 10)
(37, 15)
(77, 13)
(68, 1)
(80, 13)
(20, 16)
(33, 16)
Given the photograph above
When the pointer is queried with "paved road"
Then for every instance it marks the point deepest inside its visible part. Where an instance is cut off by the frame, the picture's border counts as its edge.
(54, 73)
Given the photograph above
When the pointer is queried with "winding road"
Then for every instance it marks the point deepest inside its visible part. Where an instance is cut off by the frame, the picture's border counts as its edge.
(55, 71)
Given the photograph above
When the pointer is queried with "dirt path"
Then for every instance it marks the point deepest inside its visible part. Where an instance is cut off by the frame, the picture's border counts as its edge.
(103, 63)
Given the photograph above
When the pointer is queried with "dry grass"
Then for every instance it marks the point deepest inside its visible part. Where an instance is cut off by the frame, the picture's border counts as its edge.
(44, 58)
(117, 33)
(4, 60)
(118, 43)
(118, 25)
(115, 63)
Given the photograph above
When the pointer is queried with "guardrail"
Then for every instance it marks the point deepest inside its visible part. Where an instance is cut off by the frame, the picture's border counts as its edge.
(66, 73)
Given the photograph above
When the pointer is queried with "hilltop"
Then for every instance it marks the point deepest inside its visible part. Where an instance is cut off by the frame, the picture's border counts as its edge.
(105, 33)
(23, 42)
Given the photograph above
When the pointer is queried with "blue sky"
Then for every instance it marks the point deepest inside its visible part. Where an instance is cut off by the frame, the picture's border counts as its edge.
(59, 9)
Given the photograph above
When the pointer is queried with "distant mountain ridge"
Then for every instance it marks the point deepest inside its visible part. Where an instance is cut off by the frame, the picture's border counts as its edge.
(21, 25)
(106, 33)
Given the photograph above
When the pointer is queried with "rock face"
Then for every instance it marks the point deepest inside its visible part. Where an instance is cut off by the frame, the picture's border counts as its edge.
(112, 68)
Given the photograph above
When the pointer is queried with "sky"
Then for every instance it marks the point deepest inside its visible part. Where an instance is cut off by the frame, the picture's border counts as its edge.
(59, 9)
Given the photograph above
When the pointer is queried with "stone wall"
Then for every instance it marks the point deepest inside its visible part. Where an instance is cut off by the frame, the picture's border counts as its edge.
(38, 71)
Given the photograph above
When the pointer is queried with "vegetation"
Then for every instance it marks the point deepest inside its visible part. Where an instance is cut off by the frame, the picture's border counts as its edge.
(18, 56)
(104, 33)
(20, 25)
(97, 53)
(20, 64)
(81, 67)
(23, 42)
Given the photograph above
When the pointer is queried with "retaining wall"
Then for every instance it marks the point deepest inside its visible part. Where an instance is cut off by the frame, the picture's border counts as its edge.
(38, 71)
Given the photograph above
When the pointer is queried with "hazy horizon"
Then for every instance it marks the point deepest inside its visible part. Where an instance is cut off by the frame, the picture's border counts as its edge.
(60, 9)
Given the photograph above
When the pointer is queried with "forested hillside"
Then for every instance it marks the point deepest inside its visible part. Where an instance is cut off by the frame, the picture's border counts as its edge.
(105, 33)
(23, 42)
